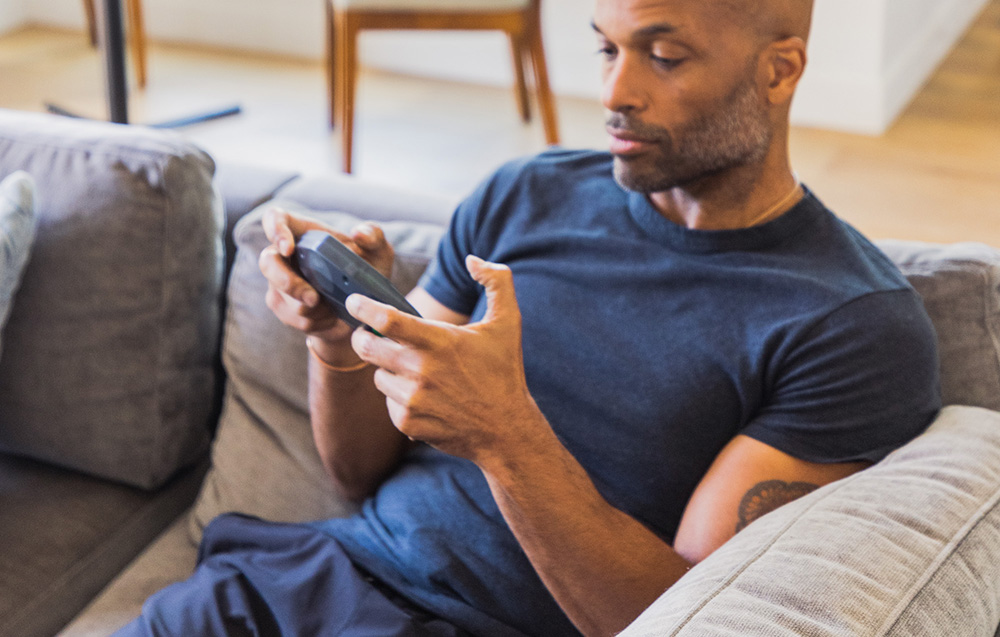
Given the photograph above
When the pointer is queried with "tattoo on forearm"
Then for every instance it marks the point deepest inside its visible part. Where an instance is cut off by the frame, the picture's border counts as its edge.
(765, 497)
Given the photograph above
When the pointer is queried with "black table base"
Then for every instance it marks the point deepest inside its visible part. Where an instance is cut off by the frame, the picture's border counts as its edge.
(113, 44)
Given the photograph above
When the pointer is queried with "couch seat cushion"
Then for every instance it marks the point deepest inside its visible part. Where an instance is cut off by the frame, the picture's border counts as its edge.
(65, 535)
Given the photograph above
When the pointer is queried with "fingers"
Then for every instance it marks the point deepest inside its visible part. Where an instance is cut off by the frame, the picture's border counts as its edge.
(498, 281)
(392, 323)
(283, 228)
(283, 279)
(368, 236)
(370, 242)
(402, 327)
(277, 227)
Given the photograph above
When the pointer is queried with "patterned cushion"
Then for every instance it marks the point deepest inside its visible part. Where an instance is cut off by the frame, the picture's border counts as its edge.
(17, 232)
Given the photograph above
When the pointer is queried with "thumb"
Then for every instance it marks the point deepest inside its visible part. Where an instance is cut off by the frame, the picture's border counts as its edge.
(501, 302)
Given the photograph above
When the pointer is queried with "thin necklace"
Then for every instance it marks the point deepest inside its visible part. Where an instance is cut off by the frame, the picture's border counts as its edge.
(777, 208)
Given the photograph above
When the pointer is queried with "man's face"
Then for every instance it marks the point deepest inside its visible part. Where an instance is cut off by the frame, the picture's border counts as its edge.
(681, 92)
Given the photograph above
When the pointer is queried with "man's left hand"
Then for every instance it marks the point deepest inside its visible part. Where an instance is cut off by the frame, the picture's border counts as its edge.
(461, 389)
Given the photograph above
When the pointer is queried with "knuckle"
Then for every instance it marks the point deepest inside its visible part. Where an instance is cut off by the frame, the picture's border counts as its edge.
(272, 299)
(270, 264)
(388, 252)
(364, 346)
(383, 321)
(265, 258)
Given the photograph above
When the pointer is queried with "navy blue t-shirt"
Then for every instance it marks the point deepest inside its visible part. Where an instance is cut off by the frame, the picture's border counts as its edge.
(648, 346)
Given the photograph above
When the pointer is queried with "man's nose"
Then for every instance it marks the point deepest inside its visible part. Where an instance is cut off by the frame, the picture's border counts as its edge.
(623, 88)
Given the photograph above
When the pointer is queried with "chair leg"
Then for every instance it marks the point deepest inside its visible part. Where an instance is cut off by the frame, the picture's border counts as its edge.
(137, 40)
(88, 9)
(331, 64)
(346, 34)
(546, 101)
(519, 57)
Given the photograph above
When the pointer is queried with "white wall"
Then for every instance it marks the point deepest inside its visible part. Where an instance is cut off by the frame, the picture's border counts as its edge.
(12, 14)
(867, 57)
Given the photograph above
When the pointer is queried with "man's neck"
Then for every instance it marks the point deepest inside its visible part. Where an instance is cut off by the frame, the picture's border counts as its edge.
(730, 201)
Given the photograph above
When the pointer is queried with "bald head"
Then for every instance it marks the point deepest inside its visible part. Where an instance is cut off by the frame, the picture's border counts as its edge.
(771, 20)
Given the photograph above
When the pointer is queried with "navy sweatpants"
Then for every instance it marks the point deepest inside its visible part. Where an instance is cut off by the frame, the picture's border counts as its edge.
(262, 579)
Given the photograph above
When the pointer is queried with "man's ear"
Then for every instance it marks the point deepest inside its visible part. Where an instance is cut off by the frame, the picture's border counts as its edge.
(786, 61)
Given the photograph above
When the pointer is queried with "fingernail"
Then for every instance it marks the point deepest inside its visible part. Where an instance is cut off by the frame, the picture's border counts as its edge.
(353, 303)
(310, 298)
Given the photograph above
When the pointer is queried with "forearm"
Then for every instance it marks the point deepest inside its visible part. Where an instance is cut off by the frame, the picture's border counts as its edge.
(601, 565)
(355, 438)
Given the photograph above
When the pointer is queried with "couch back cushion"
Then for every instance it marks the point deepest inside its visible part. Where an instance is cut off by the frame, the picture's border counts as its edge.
(108, 360)
(264, 461)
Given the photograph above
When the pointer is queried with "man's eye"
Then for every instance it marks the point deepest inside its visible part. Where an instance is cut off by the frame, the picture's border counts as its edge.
(666, 63)
(607, 52)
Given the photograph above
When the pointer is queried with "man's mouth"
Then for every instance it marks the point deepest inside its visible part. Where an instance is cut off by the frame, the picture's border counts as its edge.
(623, 142)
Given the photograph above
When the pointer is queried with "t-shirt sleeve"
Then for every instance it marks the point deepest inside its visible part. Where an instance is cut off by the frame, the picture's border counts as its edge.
(861, 382)
(446, 278)
(473, 230)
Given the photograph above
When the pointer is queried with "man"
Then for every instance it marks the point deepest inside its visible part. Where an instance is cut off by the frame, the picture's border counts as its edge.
(680, 339)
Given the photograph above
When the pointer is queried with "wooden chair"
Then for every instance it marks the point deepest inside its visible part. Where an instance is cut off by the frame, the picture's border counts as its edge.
(519, 19)
(136, 34)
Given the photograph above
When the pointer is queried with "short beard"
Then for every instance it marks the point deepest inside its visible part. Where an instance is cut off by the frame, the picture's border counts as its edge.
(737, 133)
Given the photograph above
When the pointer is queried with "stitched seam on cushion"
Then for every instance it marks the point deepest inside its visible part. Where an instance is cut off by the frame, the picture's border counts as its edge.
(947, 551)
(722, 586)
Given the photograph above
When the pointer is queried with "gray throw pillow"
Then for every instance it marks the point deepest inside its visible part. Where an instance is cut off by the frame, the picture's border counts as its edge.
(108, 362)
(17, 233)
(264, 460)
(906, 548)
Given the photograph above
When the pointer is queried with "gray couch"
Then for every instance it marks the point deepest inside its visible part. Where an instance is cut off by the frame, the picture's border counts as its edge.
(145, 388)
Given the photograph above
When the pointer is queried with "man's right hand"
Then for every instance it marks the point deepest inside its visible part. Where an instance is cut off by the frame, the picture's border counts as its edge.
(294, 301)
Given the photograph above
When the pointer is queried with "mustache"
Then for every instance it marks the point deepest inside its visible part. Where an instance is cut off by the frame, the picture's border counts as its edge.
(623, 123)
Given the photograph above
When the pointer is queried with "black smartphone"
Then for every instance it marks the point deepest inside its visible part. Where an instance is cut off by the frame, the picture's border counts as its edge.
(337, 272)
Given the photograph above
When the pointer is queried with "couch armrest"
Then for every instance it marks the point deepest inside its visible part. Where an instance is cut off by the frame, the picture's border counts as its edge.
(906, 548)
(108, 367)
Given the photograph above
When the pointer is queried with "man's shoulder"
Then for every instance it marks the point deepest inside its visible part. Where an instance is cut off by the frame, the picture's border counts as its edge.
(840, 255)
(559, 164)
(544, 184)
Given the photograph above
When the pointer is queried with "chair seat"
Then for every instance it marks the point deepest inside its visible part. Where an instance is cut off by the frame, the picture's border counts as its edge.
(431, 5)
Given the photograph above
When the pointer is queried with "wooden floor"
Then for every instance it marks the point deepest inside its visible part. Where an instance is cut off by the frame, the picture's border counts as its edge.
(934, 176)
